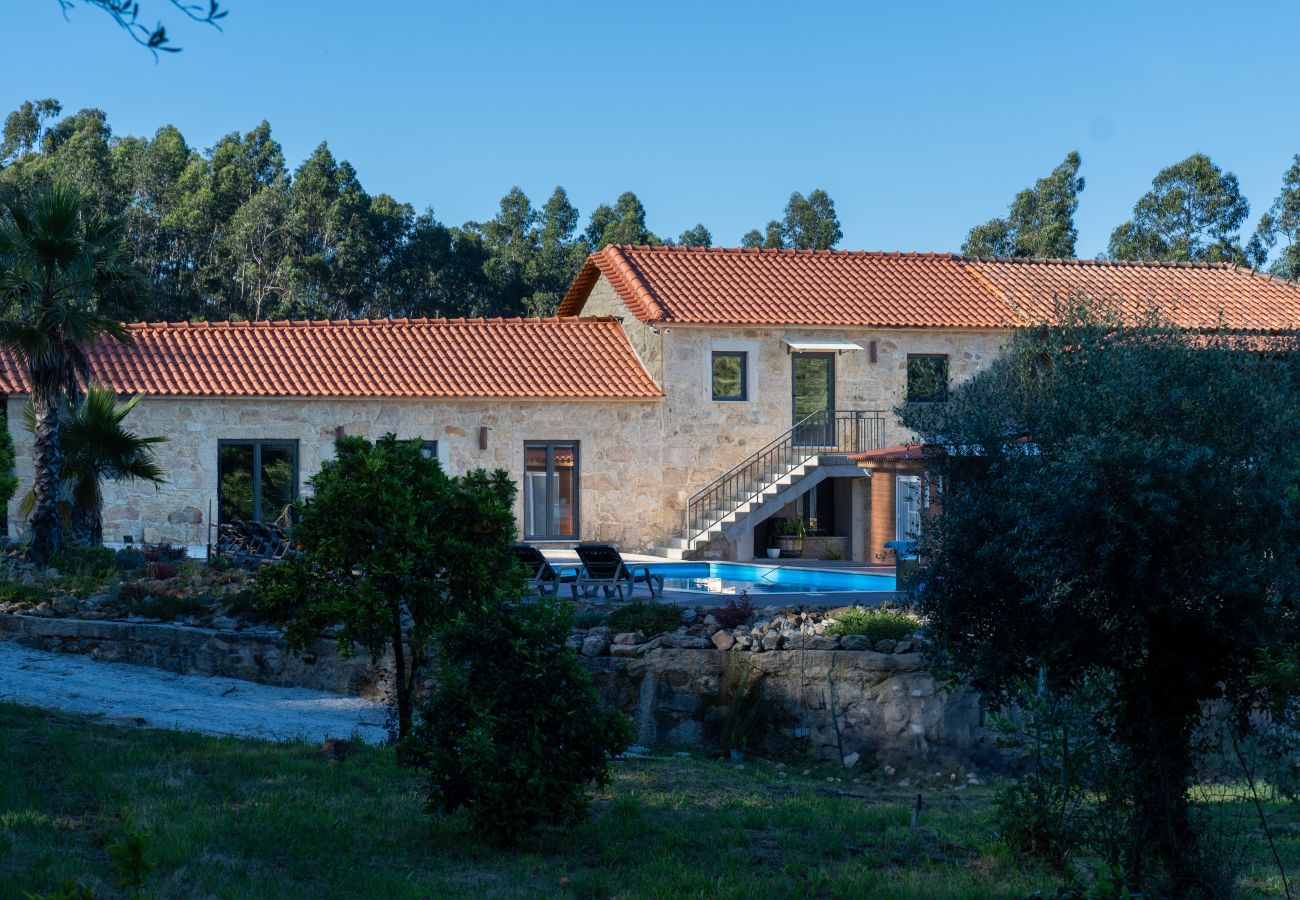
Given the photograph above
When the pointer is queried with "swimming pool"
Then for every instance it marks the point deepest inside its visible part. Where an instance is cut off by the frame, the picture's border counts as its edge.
(732, 578)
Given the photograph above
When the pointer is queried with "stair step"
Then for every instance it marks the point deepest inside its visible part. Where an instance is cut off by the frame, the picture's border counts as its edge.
(671, 552)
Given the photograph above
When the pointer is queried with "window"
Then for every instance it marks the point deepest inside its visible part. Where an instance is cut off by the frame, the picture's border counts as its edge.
(551, 491)
(927, 377)
(429, 449)
(729, 374)
(256, 480)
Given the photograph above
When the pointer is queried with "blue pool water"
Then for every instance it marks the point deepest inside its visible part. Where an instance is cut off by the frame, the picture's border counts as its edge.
(732, 578)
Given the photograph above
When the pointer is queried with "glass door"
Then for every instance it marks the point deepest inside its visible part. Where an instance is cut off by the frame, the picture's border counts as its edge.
(550, 491)
(908, 508)
(813, 390)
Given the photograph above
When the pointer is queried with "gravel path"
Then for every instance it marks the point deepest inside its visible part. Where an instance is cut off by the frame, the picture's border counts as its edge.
(151, 697)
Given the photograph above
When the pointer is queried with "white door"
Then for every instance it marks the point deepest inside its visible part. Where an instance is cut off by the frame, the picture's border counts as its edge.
(907, 506)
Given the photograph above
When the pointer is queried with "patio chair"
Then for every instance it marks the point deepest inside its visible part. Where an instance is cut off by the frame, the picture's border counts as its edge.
(603, 567)
(543, 577)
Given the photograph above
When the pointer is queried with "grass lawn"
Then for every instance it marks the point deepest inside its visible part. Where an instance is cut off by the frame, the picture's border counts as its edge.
(237, 818)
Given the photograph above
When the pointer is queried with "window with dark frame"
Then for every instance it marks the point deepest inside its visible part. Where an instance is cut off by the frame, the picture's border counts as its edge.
(730, 373)
(551, 497)
(429, 449)
(927, 377)
(256, 480)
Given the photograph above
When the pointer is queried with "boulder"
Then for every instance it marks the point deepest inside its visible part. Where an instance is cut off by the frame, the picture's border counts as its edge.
(629, 637)
(855, 642)
(595, 645)
(724, 640)
(885, 646)
(801, 641)
(772, 640)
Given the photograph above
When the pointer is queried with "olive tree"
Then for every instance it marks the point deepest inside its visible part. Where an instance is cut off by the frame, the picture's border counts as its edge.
(1120, 499)
(391, 548)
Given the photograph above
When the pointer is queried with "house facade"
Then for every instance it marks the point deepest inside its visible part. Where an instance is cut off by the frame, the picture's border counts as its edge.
(681, 402)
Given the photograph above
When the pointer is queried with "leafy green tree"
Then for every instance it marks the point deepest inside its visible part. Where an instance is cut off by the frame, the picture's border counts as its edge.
(1192, 213)
(622, 223)
(809, 223)
(1282, 221)
(25, 125)
(96, 447)
(66, 274)
(1040, 223)
(513, 730)
(1119, 502)
(697, 236)
(391, 549)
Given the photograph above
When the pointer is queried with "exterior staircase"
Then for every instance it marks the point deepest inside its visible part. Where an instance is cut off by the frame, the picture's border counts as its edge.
(816, 448)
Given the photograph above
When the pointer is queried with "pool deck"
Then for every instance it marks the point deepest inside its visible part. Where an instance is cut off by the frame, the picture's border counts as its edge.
(818, 600)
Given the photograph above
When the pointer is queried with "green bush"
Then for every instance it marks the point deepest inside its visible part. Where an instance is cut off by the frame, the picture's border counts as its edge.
(877, 624)
(134, 598)
(85, 570)
(130, 559)
(513, 731)
(17, 592)
(648, 618)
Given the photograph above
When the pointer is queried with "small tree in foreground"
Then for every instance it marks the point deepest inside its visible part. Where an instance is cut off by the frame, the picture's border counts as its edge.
(391, 549)
(1121, 500)
(513, 731)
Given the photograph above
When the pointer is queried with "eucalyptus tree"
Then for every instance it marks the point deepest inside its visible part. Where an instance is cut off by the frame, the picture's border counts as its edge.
(1193, 213)
(1040, 222)
(809, 223)
(1281, 223)
(66, 276)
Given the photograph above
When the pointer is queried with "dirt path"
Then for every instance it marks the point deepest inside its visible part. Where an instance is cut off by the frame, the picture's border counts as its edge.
(151, 697)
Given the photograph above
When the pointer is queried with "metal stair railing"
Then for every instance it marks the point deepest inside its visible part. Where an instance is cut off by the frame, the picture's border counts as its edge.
(825, 431)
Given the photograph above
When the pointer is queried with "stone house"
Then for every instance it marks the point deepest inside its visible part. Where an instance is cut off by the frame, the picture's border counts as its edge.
(681, 401)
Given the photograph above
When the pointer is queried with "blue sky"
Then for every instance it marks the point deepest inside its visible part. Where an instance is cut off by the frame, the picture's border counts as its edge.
(920, 119)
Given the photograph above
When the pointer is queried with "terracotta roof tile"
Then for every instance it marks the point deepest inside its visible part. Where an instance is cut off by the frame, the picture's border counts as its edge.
(552, 359)
(917, 290)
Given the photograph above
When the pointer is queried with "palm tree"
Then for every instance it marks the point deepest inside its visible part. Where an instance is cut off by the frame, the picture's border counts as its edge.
(95, 447)
(66, 275)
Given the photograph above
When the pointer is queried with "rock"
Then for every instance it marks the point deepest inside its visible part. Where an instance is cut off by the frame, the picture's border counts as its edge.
(686, 642)
(52, 574)
(772, 641)
(851, 760)
(904, 647)
(743, 642)
(573, 642)
(629, 637)
(710, 620)
(636, 649)
(225, 623)
(800, 641)
(595, 644)
(855, 642)
(885, 646)
(889, 770)
(724, 640)
(188, 515)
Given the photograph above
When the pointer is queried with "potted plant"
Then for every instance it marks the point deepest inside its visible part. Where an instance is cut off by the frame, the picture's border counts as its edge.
(773, 537)
(791, 539)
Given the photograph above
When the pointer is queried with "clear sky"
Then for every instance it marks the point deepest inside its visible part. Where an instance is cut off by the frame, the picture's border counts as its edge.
(919, 119)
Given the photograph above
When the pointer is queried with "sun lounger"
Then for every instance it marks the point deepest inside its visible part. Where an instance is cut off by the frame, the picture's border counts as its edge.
(603, 568)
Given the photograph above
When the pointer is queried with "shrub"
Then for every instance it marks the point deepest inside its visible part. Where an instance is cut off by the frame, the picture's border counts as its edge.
(17, 592)
(95, 561)
(743, 696)
(392, 549)
(877, 624)
(137, 599)
(164, 552)
(513, 732)
(160, 570)
(130, 559)
(649, 618)
(736, 611)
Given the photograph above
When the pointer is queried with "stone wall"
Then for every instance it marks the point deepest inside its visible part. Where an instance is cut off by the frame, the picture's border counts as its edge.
(261, 657)
(857, 707)
(618, 454)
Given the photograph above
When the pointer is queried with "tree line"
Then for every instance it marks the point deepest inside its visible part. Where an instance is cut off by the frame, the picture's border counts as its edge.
(1194, 212)
(233, 233)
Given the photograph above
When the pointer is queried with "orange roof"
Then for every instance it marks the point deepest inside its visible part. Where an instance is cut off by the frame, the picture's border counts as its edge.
(551, 359)
(918, 290)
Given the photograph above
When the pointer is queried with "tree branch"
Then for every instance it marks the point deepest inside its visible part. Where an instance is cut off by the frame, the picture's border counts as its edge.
(126, 13)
